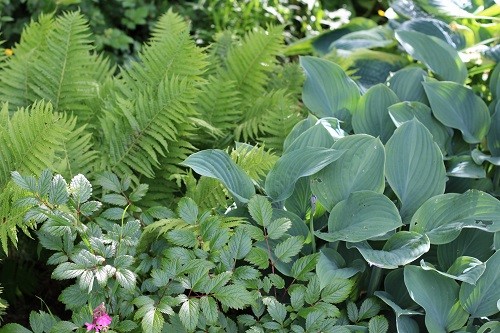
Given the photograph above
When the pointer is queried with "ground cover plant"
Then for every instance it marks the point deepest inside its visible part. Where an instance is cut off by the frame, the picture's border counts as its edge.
(221, 189)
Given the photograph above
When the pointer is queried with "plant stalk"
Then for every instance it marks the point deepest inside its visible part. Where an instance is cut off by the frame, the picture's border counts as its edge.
(375, 279)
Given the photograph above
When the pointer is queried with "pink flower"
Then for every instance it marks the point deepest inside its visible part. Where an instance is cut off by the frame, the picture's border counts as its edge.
(100, 321)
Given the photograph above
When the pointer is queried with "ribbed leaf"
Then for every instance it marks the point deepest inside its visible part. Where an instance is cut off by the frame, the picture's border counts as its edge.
(481, 300)
(451, 104)
(189, 313)
(372, 115)
(444, 216)
(400, 249)
(331, 266)
(407, 84)
(436, 28)
(406, 111)
(377, 37)
(363, 215)
(293, 165)
(217, 164)
(328, 91)
(361, 167)
(323, 135)
(437, 55)
(465, 269)
(442, 314)
(411, 152)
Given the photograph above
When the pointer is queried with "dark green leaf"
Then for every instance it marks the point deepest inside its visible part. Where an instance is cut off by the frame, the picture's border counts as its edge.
(407, 84)
(331, 266)
(465, 269)
(289, 248)
(378, 324)
(189, 314)
(261, 210)
(234, 296)
(188, 210)
(58, 194)
(337, 291)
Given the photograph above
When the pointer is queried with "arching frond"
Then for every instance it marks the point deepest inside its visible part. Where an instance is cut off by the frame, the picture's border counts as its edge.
(208, 193)
(255, 160)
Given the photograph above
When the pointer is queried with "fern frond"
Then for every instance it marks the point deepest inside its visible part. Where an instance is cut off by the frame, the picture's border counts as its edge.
(151, 126)
(250, 63)
(256, 161)
(208, 193)
(30, 140)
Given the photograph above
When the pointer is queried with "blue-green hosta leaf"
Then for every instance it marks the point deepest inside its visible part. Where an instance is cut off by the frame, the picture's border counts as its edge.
(494, 132)
(449, 9)
(377, 37)
(443, 217)
(427, 288)
(464, 167)
(481, 300)
(328, 91)
(452, 103)
(217, 164)
(436, 28)
(332, 266)
(407, 84)
(189, 313)
(361, 167)
(495, 82)
(400, 249)
(293, 165)
(404, 324)
(479, 157)
(406, 111)
(438, 56)
(411, 153)
(372, 115)
(298, 129)
(363, 215)
(467, 269)
(323, 134)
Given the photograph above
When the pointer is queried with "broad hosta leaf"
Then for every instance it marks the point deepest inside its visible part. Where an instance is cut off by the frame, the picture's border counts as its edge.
(323, 134)
(437, 55)
(436, 28)
(444, 216)
(479, 157)
(406, 111)
(404, 324)
(363, 215)
(377, 37)
(411, 153)
(481, 300)
(471, 242)
(361, 167)
(452, 103)
(217, 164)
(427, 288)
(400, 249)
(328, 91)
(372, 115)
(464, 167)
(407, 84)
(332, 266)
(494, 132)
(464, 268)
(291, 166)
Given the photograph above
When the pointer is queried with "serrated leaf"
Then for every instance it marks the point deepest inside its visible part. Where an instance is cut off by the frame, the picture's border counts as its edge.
(152, 321)
(188, 210)
(372, 116)
(451, 104)
(369, 308)
(185, 238)
(90, 207)
(328, 91)
(442, 217)
(261, 210)
(289, 248)
(114, 213)
(245, 273)
(58, 194)
(436, 54)
(410, 153)
(378, 324)
(400, 249)
(115, 199)
(304, 265)
(80, 189)
(275, 309)
(67, 270)
(209, 309)
(139, 192)
(125, 278)
(277, 228)
(361, 167)
(291, 166)
(258, 257)
(240, 244)
(217, 164)
(363, 215)
(109, 181)
(352, 312)
(189, 314)
(481, 300)
(337, 291)
(226, 295)
(313, 291)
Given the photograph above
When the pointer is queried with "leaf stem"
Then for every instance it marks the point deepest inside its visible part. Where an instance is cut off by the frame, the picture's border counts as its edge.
(375, 279)
(311, 223)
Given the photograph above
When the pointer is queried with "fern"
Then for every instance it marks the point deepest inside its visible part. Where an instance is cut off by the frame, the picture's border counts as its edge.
(208, 193)
(256, 161)
(34, 136)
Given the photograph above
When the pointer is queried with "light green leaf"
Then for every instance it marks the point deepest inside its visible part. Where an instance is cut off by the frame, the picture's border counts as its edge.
(281, 180)
(125, 278)
(400, 249)
(189, 314)
(490, 327)
(443, 217)
(276, 310)
(451, 104)
(372, 116)
(226, 295)
(437, 55)
(240, 244)
(407, 84)
(14, 328)
(277, 228)
(331, 266)
(261, 210)
(217, 164)
(464, 268)
(442, 314)
(481, 300)
(406, 111)
(378, 324)
(377, 37)
(410, 153)
(328, 91)
(363, 215)
(58, 194)
(109, 181)
(152, 321)
(188, 210)
(80, 189)
(304, 265)
(361, 167)
(337, 291)
(289, 248)
(209, 309)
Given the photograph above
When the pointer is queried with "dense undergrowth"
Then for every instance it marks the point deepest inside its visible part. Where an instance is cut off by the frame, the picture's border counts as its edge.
(230, 188)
